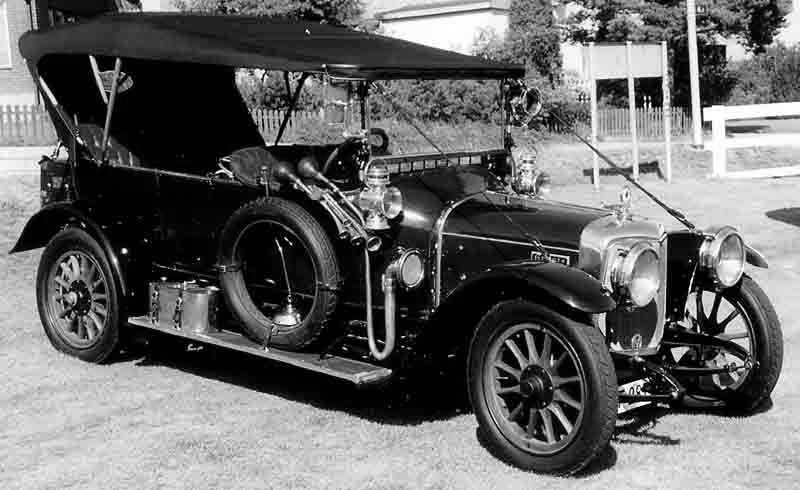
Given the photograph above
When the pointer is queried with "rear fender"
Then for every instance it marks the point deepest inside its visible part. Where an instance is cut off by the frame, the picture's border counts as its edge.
(52, 218)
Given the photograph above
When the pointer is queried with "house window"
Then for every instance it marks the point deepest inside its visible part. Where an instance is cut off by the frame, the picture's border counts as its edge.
(5, 38)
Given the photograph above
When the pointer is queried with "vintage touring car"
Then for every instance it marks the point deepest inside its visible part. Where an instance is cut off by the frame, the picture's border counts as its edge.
(171, 213)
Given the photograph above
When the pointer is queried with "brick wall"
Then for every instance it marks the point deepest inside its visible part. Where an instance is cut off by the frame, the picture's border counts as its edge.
(16, 86)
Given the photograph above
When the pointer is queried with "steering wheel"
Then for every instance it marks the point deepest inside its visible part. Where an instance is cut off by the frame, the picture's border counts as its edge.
(335, 153)
(382, 148)
(377, 149)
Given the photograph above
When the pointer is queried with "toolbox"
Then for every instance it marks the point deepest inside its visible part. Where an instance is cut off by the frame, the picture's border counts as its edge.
(184, 306)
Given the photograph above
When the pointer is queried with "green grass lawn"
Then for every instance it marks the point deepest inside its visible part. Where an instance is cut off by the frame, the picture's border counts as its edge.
(212, 420)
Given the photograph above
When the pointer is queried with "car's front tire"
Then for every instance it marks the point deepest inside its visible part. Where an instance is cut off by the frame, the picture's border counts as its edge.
(78, 297)
(543, 388)
(742, 314)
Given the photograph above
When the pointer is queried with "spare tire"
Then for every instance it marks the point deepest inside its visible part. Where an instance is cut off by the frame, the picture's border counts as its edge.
(272, 250)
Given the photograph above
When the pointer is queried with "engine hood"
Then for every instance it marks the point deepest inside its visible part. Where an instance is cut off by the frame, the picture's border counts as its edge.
(467, 202)
(499, 216)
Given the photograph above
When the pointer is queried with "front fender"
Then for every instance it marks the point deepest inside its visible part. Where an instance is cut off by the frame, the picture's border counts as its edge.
(550, 280)
(52, 218)
(754, 257)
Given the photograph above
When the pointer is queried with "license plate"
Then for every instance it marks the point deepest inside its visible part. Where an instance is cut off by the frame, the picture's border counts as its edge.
(632, 388)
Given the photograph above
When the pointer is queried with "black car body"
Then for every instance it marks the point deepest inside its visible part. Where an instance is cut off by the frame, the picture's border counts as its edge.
(167, 174)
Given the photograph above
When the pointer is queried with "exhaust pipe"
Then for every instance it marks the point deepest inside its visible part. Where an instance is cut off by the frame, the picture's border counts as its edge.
(389, 282)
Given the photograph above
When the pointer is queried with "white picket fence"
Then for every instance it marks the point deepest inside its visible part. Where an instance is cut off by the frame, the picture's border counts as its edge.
(720, 143)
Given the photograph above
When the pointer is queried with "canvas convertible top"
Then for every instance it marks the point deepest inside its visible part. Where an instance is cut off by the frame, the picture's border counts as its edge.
(258, 42)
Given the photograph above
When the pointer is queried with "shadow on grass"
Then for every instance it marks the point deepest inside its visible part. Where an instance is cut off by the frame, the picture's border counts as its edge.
(786, 215)
(397, 402)
(636, 427)
(605, 460)
(746, 128)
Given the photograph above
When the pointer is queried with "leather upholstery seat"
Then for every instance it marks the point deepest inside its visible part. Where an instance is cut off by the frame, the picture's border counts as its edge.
(116, 153)
(247, 163)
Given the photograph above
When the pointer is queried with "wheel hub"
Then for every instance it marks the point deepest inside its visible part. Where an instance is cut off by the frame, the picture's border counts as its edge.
(536, 385)
(80, 297)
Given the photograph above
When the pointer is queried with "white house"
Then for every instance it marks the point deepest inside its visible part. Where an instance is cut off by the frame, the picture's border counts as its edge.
(448, 24)
(456, 24)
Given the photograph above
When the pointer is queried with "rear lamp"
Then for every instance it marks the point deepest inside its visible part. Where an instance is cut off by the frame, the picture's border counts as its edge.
(722, 255)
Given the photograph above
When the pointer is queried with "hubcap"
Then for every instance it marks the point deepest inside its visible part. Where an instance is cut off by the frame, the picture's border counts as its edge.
(78, 299)
(534, 387)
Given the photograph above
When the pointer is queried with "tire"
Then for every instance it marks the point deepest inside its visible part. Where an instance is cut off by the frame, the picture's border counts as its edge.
(764, 341)
(323, 263)
(75, 279)
(589, 405)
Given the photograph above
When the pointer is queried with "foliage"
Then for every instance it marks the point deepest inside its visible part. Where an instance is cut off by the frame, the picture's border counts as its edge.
(448, 101)
(337, 12)
(768, 77)
(267, 89)
(533, 37)
(753, 22)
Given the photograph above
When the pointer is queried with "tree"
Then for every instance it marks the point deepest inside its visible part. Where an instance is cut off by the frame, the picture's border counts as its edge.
(533, 37)
(336, 12)
(753, 22)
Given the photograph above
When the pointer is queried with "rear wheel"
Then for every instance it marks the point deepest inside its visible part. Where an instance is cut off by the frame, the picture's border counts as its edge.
(543, 388)
(78, 297)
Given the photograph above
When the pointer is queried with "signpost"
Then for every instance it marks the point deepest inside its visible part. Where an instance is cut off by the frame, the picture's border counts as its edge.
(629, 61)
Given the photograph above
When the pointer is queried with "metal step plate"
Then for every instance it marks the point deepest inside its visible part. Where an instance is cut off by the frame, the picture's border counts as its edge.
(357, 372)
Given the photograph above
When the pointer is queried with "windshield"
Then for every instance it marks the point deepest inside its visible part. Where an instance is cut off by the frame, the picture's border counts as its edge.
(457, 115)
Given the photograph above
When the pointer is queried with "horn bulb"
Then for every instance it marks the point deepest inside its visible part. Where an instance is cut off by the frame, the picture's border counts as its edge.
(308, 168)
(283, 172)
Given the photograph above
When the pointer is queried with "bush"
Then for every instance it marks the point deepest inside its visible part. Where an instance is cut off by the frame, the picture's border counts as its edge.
(768, 77)
(446, 101)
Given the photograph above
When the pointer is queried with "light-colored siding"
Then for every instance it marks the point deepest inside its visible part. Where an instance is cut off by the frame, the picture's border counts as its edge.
(455, 31)
(16, 86)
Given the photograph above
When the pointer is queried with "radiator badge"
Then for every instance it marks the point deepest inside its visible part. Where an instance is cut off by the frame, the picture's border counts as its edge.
(538, 256)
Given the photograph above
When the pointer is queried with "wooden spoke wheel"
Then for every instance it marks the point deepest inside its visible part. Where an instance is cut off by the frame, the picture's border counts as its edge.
(543, 387)
(743, 315)
(78, 296)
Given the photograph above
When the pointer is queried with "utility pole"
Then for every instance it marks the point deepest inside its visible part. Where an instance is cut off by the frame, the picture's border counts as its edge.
(694, 73)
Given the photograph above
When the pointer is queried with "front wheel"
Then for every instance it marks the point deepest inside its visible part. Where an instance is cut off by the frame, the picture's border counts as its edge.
(543, 388)
(742, 314)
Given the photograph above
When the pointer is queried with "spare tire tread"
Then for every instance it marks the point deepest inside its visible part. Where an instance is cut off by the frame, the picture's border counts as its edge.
(323, 255)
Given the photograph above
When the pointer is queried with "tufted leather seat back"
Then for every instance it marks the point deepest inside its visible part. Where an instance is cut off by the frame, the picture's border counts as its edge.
(116, 153)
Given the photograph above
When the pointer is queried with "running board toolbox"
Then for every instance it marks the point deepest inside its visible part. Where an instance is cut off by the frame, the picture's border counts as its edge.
(357, 372)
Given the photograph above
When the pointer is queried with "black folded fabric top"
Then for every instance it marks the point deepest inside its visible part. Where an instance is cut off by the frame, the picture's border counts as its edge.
(258, 42)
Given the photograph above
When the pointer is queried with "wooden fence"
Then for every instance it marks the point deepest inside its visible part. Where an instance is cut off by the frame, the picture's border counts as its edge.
(30, 125)
(26, 125)
(269, 121)
(720, 142)
(615, 123)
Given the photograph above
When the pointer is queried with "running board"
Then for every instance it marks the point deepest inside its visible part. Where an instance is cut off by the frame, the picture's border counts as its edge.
(357, 372)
